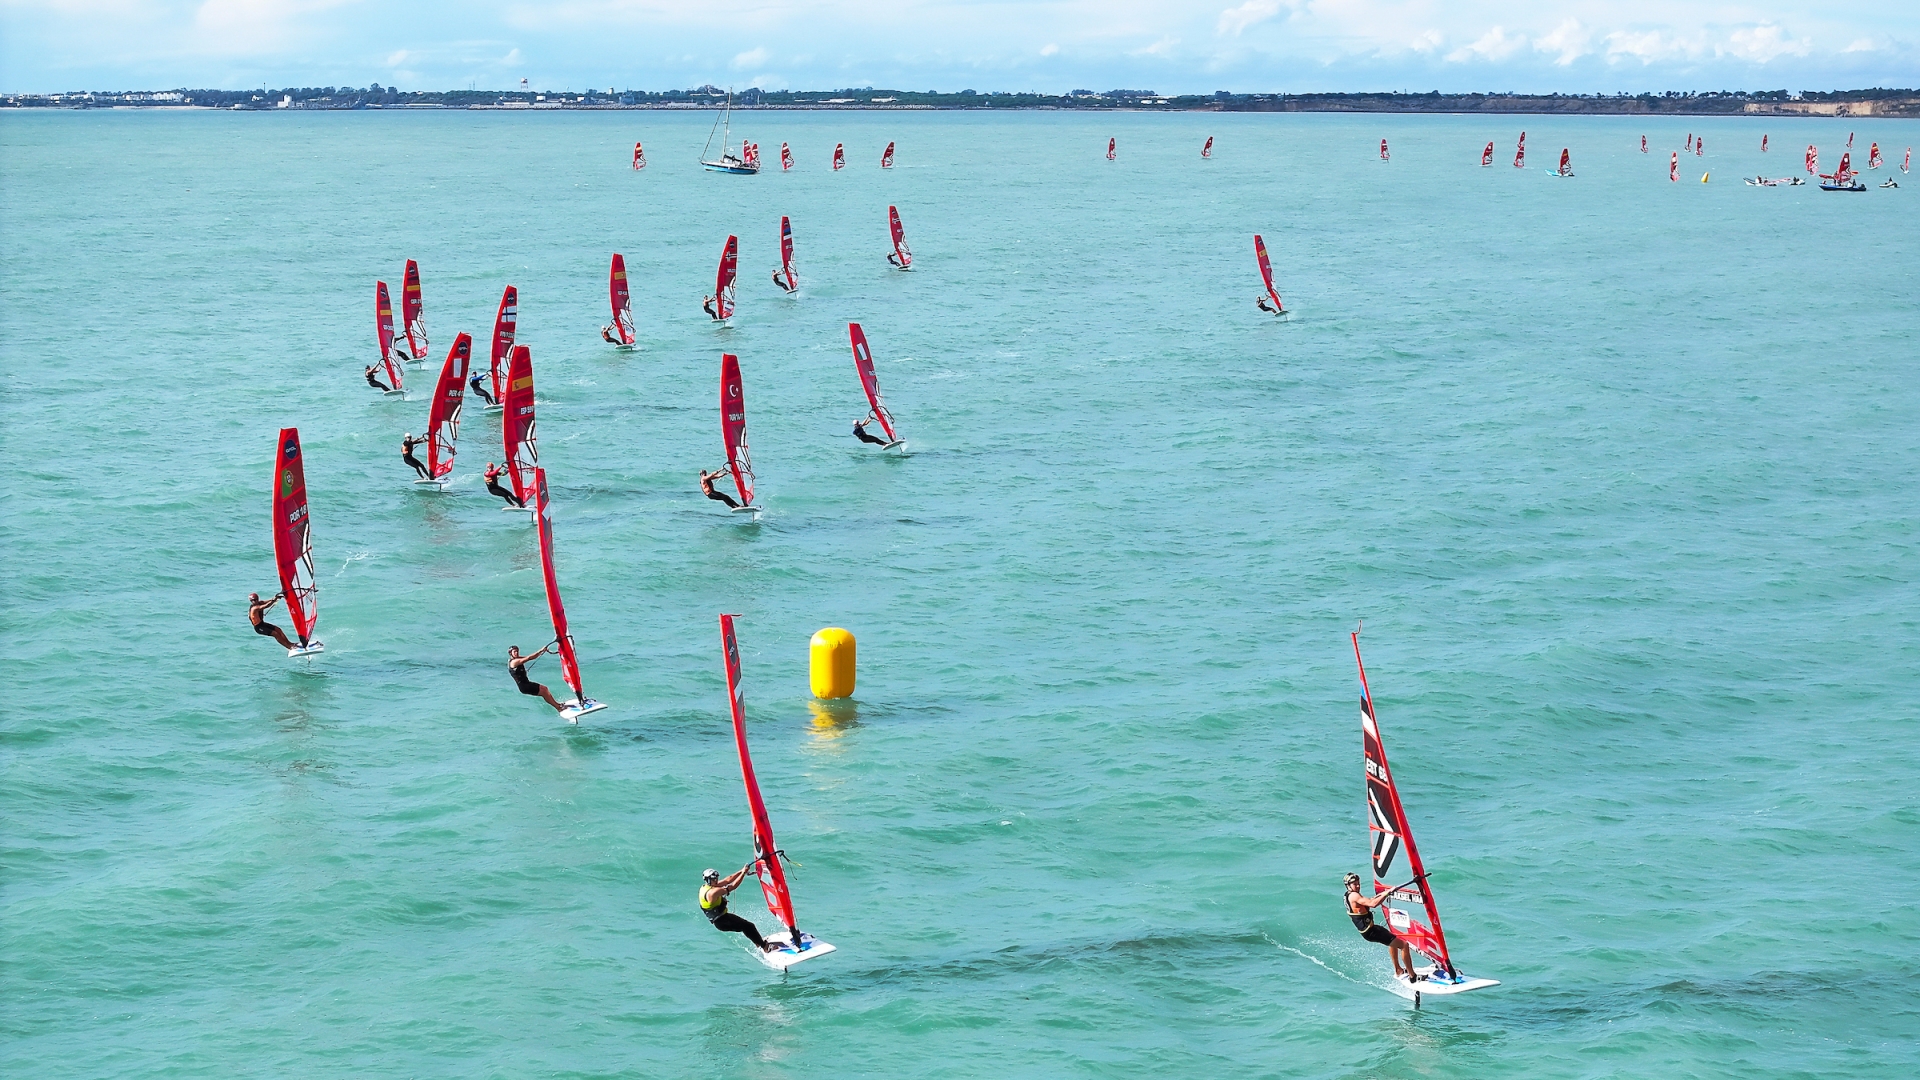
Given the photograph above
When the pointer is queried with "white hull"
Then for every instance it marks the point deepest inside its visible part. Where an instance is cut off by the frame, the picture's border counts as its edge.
(1426, 987)
(572, 711)
(311, 648)
(784, 957)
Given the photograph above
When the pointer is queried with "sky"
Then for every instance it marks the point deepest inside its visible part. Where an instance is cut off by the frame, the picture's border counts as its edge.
(1051, 46)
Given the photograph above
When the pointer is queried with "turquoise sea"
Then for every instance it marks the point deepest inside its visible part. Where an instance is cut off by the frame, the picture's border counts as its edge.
(1620, 474)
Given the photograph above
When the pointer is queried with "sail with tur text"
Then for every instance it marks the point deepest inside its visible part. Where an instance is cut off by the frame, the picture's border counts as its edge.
(723, 280)
(293, 536)
(733, 427)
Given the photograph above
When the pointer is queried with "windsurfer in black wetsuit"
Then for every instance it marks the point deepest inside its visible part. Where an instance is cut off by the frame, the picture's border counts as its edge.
(494, 473)
(1360, 910)
(406, 454)
(373, 380)
(706, 488)
(1264, 306)
(780, 279)
(713, 904)
(606, 335)
(860, 431)
(708, 306)
(517, 667)
(257, 615)
(477, 382)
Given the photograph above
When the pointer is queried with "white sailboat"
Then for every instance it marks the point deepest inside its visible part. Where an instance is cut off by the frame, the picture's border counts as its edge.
(741, 164)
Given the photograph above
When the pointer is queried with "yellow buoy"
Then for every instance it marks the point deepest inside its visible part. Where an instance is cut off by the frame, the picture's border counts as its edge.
(1703, 178)
(830, 669)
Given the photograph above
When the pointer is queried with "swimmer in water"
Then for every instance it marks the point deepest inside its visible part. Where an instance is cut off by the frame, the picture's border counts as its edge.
(706, 488)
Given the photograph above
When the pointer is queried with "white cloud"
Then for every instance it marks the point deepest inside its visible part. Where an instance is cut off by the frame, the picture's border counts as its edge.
(396, 58)
(1763, 43)
(1049, 49)
(1427, 42)
(752, 58)
(1570, 40)
(1252, 13)
(512, 59)
(1862, 45)
(1496, 45)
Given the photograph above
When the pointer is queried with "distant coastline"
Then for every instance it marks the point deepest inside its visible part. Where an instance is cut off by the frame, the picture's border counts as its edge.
(1871, 102)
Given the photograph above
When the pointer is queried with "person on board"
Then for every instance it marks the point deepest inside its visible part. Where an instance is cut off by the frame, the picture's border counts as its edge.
(517, 667)
(860, 431)
(257, 615)
(478, 384)
(894, 258)
(494, 474)
(780, 279)
(707, 306)
(713, 904)
(1360, 910)
(706, 488)
(406, 454)
(606, 335)
(373, 379)
(1264, 306)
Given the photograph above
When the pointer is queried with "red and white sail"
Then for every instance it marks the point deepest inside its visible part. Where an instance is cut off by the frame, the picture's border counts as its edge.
(1394, 856)
(786, 158)
(1689, 140)
(1486, 156)
(411, 312)
(443, 420)
(733, 427)
(1673, 168)
(766, 853)
(639, 157)
(792, 279)
(622, 302)
(839, 156)
(1813, 160)
(1763, 144)
(1906, 163)
(504, 321)
(569, 662)
(1384, 156)
(886, 157)
(902, 256)
(1520, 152)
(1849, 140)
(1700, 146)
(1873, 157)
(1207, 150)
(1266, 271)
(1566, 163)
(293, 536)
(383, 327)
(523, 454)
(869, 381)
(1110, 150)
(723, 280)
(1643, 144)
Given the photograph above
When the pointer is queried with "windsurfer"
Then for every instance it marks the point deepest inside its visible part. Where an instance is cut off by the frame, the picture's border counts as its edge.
(713, 904)
(1360, 910)
(494, 473)
(373, 379)
(780, 279)
(477, 383)
(860, 431)
(406, 454)
(257, 615)
(706, 488)
(894, 258)
(1264, 306)
(707, 306)
(606, 335)
(517, 667)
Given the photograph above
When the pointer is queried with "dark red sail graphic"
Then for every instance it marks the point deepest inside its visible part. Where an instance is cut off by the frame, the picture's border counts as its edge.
(869, 381)
(902, 256)
(886, 157)
(569, 663)
(723, 281)
(766, 853)
(733, 426)
(443, 420)
(504, 321)
(839, 156)
(1389, 838)
(383, 325)
(523, 456)
(293, 535)
(411, 312)
(622, 301)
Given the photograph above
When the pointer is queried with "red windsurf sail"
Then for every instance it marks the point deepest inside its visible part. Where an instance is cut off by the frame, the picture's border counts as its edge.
(293, 536)
(504, 321)
(1383, 150)
(569, 663)
(870, 382)
(1813, 159)
(766, 853)
(1389, 837)
(1566, 163)
(411, 312)
(786, 158)
(622, 302)
(1266, 271)
(723, 281)
(1873, 157)
(886, 157)
(1700, 146)
(839, 156)
(1110, 149)
(639, 157)
(1849, 140)
(1643, 144)
(1207, 150)
(1520, 152)
(733, 427)
(1486, 156)
(443, 421)
(792, 280)
(383, 325)
(1763, 144)
(523, 456)
(1906, 163)
(1673, 168)
(902, 256)
(1689, 140)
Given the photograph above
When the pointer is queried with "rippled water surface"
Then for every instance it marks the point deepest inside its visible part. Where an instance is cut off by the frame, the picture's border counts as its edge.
(1619, 472)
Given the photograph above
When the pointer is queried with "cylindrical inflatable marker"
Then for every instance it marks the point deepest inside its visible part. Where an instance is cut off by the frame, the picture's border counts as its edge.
(831, 667)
